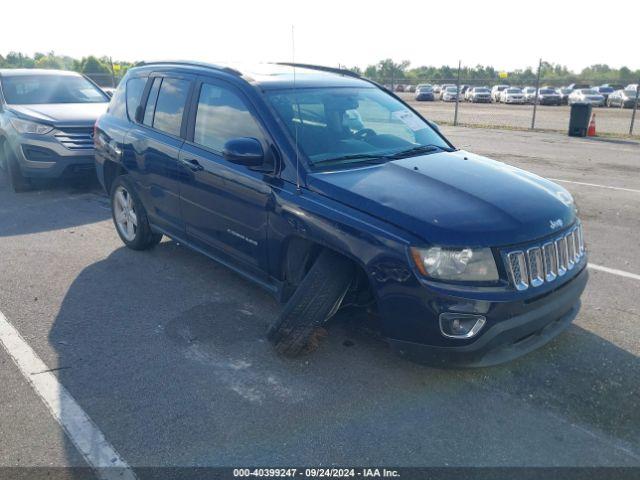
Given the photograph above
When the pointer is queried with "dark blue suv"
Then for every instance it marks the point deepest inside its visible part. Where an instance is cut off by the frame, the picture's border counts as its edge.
(329, 191)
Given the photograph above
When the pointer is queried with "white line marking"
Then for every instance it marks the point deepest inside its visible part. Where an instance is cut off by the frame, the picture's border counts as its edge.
(82, 431)
(596, 185)
(614, 271)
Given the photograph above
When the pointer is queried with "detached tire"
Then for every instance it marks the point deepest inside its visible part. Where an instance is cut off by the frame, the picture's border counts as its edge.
(316, 299)
(130, 217)
(19, 183)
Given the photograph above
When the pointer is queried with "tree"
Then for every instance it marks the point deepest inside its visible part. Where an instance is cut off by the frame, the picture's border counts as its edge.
(91, 64)
(47, 61)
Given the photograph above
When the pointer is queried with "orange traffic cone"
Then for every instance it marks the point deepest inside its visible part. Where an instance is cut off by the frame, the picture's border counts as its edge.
(591, 132)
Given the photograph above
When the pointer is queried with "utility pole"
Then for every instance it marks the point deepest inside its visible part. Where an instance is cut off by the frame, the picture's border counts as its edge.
(635, 108)
(535, 100)
(455, 116)
(113, 73)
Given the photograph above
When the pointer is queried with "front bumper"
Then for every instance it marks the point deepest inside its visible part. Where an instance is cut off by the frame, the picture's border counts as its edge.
(44, 156)
(527, 326)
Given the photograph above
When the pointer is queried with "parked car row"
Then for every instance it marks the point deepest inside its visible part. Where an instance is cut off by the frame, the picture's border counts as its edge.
(609, 95)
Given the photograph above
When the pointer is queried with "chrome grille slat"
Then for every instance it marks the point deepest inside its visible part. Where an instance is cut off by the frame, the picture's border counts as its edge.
(535, 266)
(550, 261)
(518, 268)
(543, 263)
(571, 256)
(561, 251)
(76, 138)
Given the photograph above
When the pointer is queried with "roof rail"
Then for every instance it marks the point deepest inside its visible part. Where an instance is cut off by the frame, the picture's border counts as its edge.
(191, 64)
(322, 68)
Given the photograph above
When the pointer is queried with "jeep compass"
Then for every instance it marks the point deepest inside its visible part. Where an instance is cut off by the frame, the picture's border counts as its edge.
(329, 191)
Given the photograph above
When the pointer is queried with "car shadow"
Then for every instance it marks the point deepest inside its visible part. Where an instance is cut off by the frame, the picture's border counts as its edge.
(51, 205)
(166, 352)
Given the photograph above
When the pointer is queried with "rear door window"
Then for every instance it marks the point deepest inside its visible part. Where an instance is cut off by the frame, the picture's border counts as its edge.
(170, 105)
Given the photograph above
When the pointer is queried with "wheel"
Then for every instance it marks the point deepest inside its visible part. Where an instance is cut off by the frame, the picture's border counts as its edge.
(130, 217)
(18, 182)
(316, 299)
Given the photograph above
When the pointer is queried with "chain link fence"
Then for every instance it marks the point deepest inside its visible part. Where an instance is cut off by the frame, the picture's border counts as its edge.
(524, 110)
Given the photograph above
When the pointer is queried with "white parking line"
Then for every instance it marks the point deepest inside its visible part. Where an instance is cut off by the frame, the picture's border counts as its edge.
(614, 271)
(82, 431)
(596, 185)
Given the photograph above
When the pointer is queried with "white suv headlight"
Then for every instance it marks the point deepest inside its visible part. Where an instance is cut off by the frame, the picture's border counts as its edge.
(463, 264)
(25, 126)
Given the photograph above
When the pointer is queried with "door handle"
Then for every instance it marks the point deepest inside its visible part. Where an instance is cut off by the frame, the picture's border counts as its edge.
(192, 164)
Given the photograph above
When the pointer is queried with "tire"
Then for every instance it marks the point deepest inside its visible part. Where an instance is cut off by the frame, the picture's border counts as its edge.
(19, 183)
(316, 299)
(130, 217)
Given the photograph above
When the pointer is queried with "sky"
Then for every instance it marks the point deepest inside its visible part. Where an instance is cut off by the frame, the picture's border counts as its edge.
(505, 35)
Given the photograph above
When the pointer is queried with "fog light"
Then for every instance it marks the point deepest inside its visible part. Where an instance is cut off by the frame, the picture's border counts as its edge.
(461, 325)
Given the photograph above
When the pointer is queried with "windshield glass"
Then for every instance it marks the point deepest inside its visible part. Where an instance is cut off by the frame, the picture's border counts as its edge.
(605, 89)
(514, 90)
(481, 90)
(547, 91)
(331, 123)
(37, 89)
(588, 91)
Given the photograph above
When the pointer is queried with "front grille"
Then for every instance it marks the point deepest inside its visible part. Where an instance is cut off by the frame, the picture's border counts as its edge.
(76, 138)
(544, 263)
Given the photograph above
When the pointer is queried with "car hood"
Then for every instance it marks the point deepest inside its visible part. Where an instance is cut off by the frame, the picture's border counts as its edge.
(61, 114)
(453, 198)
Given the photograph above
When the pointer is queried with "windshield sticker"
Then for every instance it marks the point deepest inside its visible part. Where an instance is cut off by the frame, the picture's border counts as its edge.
(409, 119)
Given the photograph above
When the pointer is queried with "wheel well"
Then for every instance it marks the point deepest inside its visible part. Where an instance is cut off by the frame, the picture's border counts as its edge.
(299, 255)
(111, 171)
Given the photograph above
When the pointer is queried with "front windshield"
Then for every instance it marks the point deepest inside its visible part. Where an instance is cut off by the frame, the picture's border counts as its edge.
(333, 123)
(605, 89)
(514, 90)
(587, 91)
(452, 89)
(38, 89)
(547, 91)
(481, 90)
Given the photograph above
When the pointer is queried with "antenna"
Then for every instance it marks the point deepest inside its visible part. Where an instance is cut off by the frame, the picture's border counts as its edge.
(295, 97)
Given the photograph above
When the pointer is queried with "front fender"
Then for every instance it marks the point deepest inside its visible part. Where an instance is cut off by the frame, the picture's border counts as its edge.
(378, 248)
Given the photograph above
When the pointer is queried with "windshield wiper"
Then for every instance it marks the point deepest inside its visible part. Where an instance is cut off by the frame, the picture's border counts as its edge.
(369, 158)
(417, 150)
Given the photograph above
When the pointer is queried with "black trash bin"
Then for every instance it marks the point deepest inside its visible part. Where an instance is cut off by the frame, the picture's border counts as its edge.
(579, 119)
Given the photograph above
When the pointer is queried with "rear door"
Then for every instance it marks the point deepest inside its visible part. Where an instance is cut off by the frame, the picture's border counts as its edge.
(224, 205)
(155, 145)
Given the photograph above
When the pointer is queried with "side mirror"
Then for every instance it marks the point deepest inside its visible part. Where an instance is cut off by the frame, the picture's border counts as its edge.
(244, 151)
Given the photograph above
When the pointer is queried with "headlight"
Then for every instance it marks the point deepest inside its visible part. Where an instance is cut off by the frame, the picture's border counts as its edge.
(25, 126)
(465, 264)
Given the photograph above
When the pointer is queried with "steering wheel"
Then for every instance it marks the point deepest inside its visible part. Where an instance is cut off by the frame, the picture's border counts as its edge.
(365, 133)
